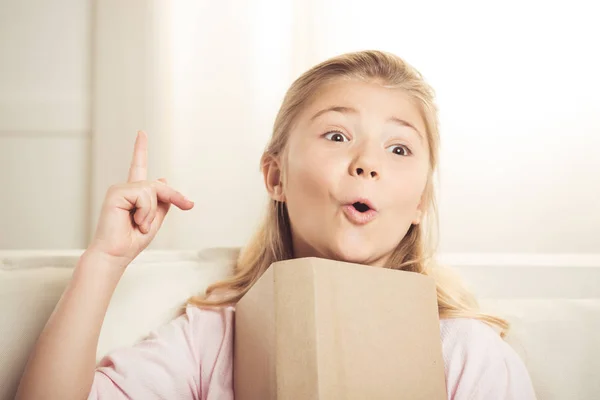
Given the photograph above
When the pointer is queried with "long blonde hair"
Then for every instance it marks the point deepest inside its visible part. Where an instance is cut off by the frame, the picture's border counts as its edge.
(272, 242)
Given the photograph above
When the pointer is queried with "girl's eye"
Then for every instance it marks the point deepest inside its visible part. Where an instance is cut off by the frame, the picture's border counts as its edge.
(336, 137)
(401, 150)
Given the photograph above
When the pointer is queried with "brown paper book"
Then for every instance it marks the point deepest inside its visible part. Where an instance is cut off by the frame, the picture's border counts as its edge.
(312, 328)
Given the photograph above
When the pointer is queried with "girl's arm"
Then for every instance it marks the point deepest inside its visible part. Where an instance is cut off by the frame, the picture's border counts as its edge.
(189, 358)
(62, 363)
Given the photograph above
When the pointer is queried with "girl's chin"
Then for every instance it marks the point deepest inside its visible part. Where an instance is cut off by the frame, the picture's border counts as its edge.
(347, 247)
(362, 255)
(354, 248)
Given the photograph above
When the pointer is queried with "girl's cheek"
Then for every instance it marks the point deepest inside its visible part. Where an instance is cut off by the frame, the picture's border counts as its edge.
(307, 181)
(408, 184)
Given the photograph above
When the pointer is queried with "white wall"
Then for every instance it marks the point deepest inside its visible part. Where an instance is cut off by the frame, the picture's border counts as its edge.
(517, 87)
(44, 123)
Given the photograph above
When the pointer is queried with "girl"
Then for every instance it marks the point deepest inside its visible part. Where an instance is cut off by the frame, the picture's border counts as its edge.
(349, 170)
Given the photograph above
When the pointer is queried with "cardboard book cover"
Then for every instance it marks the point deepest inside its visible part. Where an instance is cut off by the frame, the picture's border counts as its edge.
(312, 328)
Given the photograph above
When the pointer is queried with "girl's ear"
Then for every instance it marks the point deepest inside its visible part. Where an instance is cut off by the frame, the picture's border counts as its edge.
(418, 216)
(272, 175)
(419, 211)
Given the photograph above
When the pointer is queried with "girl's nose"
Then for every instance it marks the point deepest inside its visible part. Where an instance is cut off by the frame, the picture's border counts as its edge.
(368, 173)
(366, 162)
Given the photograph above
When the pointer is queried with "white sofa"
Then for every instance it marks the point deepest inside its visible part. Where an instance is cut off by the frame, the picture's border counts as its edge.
(552, 302)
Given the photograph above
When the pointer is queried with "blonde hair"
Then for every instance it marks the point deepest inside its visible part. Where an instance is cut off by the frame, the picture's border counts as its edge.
(272, 242)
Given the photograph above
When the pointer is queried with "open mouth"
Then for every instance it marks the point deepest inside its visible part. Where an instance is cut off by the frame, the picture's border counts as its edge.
(361, 207)
(360, 212)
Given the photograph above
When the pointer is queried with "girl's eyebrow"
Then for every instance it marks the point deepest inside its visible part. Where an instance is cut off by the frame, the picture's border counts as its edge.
(350, 110)
(340, 109)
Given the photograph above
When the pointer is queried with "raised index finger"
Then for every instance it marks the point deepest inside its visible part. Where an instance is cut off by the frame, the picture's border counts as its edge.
(139, 163)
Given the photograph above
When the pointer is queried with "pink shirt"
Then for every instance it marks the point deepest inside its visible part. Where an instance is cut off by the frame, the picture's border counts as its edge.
(192, 358)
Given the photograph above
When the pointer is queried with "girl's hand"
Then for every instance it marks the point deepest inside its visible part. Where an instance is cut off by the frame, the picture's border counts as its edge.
(133, 212)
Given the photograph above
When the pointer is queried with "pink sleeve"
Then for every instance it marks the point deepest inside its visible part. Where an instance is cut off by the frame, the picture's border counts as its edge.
(189, 358)
(480, 365)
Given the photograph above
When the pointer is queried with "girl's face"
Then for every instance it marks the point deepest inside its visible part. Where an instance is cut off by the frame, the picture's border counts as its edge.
(356, 166)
